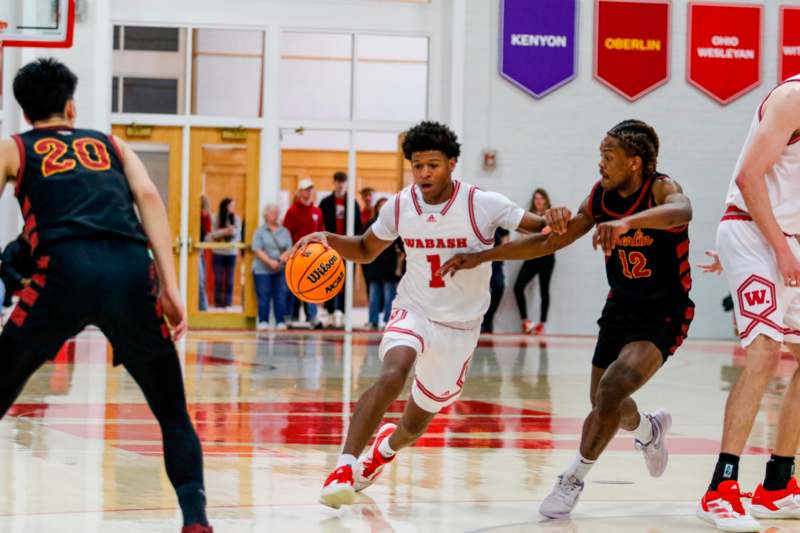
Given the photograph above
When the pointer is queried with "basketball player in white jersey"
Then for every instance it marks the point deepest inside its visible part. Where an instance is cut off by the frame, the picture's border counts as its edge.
(435, 323)
(758, 247)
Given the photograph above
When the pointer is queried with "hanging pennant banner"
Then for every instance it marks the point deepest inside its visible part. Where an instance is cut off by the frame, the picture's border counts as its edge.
(631, 48)
(538, 48)
(789, 46)
(724, 49)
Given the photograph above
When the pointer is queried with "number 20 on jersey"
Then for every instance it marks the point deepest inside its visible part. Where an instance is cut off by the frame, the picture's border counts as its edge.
(91, 153)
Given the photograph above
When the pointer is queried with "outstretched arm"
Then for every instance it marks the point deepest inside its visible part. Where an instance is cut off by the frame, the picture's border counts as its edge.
(527, 247)
(672, 209)
(359, 249)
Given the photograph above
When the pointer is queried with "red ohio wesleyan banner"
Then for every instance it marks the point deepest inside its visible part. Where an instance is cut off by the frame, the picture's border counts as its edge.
(631, 48)
(724, 49)
(789, 46)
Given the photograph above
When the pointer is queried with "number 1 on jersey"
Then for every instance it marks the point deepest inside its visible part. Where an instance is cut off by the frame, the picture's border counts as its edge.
(436, 282)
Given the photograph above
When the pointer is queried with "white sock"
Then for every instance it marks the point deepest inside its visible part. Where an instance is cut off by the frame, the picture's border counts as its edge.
(644, 433)
(580, 467)
(346, 459)
(385, 450)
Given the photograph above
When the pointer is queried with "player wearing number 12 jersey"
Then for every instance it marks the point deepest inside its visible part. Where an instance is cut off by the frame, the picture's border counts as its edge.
(435, 322)
(641, 218)
(77, 189)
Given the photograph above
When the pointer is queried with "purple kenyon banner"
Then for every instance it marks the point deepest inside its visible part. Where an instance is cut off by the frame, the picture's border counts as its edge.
(537, 47)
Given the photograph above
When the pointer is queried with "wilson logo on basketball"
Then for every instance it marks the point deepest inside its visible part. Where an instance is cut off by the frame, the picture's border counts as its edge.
(333, 286)
(320, 271)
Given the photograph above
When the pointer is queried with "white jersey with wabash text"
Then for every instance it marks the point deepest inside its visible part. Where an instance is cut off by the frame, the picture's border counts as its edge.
(432, 234)
(783, 179)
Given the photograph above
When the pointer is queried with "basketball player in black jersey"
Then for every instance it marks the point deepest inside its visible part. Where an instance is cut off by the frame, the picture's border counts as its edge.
(77, 189)
(641, 218)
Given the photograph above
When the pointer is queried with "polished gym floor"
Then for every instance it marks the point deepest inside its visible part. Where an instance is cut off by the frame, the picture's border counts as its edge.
(80, 451)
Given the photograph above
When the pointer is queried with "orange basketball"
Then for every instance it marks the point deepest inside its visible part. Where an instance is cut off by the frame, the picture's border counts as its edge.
(317, 275)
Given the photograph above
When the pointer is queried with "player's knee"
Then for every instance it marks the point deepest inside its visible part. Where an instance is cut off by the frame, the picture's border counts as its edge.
(763, 356)
(393, 378)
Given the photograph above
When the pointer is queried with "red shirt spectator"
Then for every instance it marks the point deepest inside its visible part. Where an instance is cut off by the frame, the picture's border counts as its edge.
(303, 217)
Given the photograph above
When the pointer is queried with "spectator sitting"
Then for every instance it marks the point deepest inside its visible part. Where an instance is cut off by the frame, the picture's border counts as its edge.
(334, 216)
(271, 246)
(302, 218)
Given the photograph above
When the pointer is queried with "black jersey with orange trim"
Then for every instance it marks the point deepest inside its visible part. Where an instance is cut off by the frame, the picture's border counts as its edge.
(647, 265)
(71, 185)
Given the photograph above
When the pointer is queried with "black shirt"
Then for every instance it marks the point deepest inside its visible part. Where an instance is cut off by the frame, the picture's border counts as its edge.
(71, 185)
(648, 265)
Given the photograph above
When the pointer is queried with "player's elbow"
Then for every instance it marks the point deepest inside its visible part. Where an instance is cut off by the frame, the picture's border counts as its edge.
(147, 195)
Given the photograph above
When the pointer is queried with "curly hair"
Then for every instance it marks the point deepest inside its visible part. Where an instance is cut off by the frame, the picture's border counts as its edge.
(638, 139)
(427, 136)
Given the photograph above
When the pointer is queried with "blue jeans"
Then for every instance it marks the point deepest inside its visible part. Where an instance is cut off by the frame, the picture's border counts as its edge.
(381, 295)
(271, 288)
(311, 309)
(224, 269)
(202, 304)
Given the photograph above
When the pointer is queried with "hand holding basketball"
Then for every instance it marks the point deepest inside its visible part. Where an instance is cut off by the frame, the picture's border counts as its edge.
(315, 272)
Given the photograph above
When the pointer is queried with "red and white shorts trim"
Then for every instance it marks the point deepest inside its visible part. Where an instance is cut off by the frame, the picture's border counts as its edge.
(763, 304)
(443, 356)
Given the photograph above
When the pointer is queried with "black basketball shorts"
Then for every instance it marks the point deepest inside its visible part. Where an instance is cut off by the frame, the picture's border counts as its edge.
(664, 324)
(108, 283)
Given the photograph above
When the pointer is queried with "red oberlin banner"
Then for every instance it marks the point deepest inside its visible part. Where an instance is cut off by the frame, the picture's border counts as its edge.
(789, 45)
(631, 45)
(724, 49)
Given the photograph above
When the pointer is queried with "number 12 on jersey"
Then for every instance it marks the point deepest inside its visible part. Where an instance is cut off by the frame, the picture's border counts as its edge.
(633, 265)
(436, 282)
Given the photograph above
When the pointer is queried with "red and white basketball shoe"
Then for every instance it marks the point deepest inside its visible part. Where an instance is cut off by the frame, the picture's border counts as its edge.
(784, 503)
(527, 326)
(370, 467)
(723, 509)
(338, 488)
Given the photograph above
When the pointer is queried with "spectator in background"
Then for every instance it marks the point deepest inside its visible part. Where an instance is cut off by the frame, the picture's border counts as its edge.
(334, 217)
(543, 266)
(227, 228)
(382, 277)
(271, 246)
(205, 229)
(497, 283)
(16, 268)
(367, 212)
(302, 218)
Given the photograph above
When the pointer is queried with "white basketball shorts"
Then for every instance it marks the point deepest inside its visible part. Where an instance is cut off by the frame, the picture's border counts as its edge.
(443, 356)
(763, 304)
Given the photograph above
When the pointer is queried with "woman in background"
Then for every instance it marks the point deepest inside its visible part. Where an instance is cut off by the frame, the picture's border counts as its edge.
(543, 266)
(271, 245)
(226, 227)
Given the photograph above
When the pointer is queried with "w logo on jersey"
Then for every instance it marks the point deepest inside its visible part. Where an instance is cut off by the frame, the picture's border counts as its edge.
(757, 298)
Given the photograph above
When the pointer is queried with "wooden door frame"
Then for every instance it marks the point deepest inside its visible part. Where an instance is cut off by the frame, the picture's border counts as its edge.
(199, 137)
(172, 136)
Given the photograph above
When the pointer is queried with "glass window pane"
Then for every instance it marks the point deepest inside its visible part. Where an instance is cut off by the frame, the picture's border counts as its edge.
(149, 95)
(155, 158)
(114, 94)
(315, 75)
(227, 72)
(153, 72)
(392, 79)
(151, 39)
(116, 37)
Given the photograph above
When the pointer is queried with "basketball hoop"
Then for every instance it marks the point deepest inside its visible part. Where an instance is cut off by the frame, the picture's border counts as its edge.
(37, 23)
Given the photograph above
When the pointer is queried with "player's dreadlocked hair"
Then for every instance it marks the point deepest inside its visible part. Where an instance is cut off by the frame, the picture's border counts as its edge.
(427, 136)
(638, 138)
